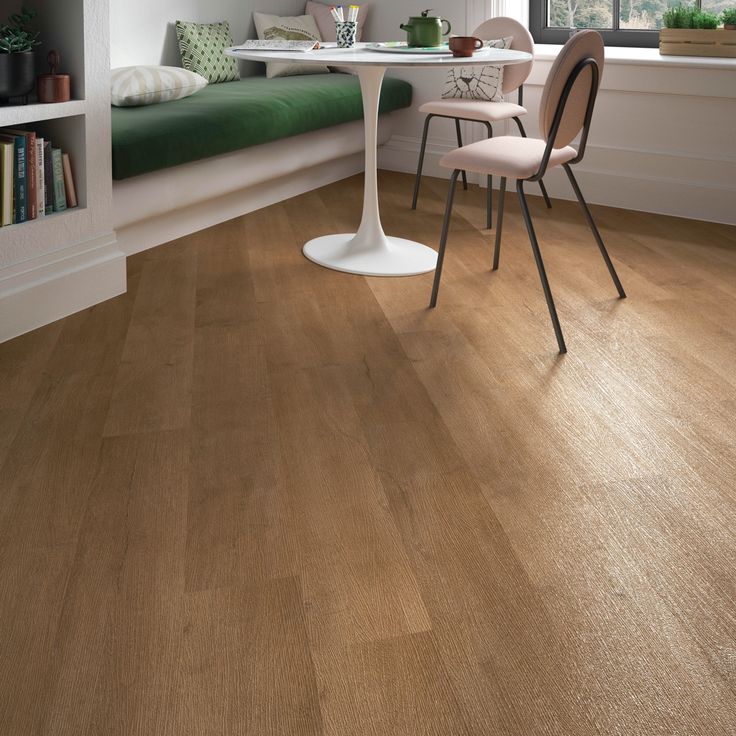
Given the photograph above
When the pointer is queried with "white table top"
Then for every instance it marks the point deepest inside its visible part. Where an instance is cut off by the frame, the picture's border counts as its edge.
(360, 56)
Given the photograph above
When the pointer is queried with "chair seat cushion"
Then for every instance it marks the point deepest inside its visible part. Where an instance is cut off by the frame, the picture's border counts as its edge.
(509, 156)
(473, 110)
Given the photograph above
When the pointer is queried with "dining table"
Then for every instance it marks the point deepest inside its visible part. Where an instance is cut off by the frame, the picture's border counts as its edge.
(369, 251)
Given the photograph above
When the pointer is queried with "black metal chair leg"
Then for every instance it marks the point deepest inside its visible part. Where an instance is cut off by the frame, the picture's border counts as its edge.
(547, 200)
(594, 229)
(489, 194)
(460, 145)
(499, 224)
(420, 165)
(443, 239)
(545, 195)
(540, 266)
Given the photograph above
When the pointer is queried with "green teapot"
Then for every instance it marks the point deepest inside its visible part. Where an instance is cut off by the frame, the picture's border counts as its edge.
(425, 30)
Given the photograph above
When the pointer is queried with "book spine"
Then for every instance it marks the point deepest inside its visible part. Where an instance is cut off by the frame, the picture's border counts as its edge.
(40, 179)
(48, 175)
(20, 193)
(59, 190)
(31, 176)
(7, 159)
(71, 191)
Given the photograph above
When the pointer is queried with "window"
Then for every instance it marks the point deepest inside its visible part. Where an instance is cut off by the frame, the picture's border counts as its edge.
(621, 22)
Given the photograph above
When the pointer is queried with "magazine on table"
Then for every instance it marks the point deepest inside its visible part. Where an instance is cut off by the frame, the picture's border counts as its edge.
(278, 45)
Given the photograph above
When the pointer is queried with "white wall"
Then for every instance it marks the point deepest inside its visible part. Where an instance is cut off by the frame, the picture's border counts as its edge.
(661, 138)
(142, 31)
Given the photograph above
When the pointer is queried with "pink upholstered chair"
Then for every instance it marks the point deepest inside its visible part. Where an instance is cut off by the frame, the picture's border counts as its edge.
(565, 111)
(481, 111)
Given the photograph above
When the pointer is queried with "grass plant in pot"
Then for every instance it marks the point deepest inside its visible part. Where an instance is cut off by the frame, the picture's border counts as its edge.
(17, 58)
(728, 18)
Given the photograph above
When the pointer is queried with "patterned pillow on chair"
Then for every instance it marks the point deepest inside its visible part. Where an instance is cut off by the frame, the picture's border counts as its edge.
(202, 47)
(477, 82)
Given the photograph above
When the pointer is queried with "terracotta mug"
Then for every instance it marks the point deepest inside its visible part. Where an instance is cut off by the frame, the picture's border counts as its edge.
(465, 45)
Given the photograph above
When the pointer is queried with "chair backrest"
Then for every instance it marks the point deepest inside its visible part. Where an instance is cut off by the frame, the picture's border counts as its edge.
(581, 46)
(514, 75)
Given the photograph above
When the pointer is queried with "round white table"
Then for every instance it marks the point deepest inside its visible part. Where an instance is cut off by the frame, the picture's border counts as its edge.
(370, 251)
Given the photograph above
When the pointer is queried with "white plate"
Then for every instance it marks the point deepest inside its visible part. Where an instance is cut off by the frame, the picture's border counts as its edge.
(404, 49)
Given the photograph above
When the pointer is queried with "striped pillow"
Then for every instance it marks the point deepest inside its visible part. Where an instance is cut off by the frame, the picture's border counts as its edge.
(133, 86)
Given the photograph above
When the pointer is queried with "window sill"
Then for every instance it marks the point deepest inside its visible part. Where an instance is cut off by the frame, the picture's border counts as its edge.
(642, 57)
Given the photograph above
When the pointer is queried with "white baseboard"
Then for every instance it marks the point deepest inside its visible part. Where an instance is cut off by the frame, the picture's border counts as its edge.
(156, 208)
(692, 187)
(175, 224)
(43, 290)
(401, 153)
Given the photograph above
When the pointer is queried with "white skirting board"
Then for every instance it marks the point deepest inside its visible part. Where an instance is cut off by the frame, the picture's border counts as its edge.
(40, 291)
(693, 187)
(168, 226)
(156, 208)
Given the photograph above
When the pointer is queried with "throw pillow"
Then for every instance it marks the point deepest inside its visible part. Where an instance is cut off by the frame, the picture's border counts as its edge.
(297, 28)
(477, 82)
(132, 86)
(326, 23)
(202, 47)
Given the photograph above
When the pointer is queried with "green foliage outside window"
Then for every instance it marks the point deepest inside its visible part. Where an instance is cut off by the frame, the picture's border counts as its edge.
(634, 14)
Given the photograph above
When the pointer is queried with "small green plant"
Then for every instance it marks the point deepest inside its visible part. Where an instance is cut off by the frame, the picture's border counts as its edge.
(688, 16)
(728, 17)
(16, 37)
(706, 20)
(678, 16)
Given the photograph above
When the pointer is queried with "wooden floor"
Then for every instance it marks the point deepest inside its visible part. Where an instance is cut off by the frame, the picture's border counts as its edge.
(254, 496)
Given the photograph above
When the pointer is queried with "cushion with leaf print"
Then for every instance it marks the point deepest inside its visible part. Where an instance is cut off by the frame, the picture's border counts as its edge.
(295, 28)
(477, 82)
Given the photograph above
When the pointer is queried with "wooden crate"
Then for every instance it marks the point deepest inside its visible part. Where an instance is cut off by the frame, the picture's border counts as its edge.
(697, 42)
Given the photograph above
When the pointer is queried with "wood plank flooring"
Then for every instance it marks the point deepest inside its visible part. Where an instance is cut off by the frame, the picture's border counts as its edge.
(254, 497)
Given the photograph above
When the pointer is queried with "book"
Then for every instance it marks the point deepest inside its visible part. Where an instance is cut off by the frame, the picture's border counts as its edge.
(48, 175)
(30, 175)
(7, 161)
(20, 213)
(278, 45)
(40, 179)
(71, 191)
(58, 175)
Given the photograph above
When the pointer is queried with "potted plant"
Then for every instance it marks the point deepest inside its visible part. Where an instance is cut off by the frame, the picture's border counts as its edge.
(17, 59)
(690, 31)
(728, 18)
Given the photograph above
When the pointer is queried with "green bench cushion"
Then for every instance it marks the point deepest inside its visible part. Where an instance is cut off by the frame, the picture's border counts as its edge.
(227, 117)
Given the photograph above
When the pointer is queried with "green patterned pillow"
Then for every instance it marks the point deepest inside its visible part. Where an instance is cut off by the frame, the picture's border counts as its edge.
(202, 47)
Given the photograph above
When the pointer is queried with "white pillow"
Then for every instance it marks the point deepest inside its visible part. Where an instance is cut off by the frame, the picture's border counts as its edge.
(477, 82)
(296, 28)
(132, 86)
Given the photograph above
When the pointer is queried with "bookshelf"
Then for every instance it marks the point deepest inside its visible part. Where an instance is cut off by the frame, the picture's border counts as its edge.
(58, 264)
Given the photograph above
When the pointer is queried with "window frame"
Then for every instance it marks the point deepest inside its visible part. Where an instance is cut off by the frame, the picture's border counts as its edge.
(611, 37)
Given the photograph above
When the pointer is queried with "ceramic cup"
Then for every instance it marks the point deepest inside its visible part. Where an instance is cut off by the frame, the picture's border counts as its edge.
(346, 34)
(465, 45)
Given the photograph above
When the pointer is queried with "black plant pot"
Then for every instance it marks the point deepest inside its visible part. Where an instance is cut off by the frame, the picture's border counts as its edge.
(17, 74)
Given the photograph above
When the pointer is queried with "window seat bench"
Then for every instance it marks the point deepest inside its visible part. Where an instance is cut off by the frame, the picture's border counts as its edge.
(257, 138)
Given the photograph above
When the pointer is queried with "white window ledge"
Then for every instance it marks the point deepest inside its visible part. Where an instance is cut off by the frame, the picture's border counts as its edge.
(642, 57)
